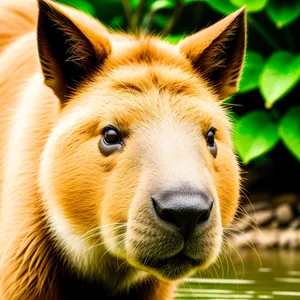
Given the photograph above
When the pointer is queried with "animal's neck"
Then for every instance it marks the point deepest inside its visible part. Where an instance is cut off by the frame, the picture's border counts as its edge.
(74, 288)
(99, 268)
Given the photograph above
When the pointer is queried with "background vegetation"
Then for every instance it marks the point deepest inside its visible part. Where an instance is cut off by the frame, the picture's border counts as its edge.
(266, 111)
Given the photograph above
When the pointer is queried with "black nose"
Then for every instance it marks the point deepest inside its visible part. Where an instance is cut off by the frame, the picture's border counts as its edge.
(185, 209)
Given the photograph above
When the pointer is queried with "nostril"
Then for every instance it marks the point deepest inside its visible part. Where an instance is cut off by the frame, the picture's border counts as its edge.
(168, 217)
(163, 213)
(185, 211)
(156, 207)
(205, 214)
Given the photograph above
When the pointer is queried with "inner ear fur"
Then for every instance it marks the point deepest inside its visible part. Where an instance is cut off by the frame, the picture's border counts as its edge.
(68, 52)
(218, 51)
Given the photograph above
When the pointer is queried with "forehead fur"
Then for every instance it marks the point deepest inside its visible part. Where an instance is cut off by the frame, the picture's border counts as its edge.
(146, 50)
(148, 76)
(148, 81)
(147, 53)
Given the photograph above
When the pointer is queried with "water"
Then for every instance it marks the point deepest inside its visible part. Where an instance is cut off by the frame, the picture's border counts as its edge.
(270, 274)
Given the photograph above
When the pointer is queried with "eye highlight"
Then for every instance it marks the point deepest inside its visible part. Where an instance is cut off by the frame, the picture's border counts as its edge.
(111, 141)
(210, 140)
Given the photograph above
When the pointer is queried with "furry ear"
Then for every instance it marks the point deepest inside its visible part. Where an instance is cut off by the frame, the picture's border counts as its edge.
(68, 52)
(218, 51)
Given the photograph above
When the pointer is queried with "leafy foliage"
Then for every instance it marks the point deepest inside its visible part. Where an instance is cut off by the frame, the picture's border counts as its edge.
(281, 73)
(290, 130)
(255, 134)
(283, 13)
(83, 5)
(265, 110)
(222, 6)
(252, 5)
(254, 64)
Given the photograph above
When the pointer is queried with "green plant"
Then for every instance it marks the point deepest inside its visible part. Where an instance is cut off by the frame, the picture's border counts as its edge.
(265, 110)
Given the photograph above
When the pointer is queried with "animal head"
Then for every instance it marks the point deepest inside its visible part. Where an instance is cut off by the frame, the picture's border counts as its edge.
(140, 164)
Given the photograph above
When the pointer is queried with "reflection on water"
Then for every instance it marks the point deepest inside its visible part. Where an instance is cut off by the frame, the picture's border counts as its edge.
(271, 274)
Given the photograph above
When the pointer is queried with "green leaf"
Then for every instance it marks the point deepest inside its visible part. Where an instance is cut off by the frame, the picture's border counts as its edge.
(193, 1)
(254, 64)
(283, 13)
(255, 134)
(233, 117)
(221, 6)
(105, 10)
(252, 5)
(117, 22)
(134, 3)
(174, 39)
(280, 74)
(82, 5)
(229, 100)
(289, 130)
(160, 20)
(162, 4)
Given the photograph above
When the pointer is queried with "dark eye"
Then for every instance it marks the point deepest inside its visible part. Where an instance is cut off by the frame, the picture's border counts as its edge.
(211, 143)
(111, 136)
(111, 141)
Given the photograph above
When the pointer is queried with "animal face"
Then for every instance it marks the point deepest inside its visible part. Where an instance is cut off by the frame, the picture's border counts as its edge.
(140, 164)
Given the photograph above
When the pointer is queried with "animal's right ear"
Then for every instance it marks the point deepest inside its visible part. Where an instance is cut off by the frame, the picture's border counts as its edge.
(217, 52)
(68, 52)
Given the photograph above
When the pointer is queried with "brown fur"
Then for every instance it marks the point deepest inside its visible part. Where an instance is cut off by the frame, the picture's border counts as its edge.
(57, 188)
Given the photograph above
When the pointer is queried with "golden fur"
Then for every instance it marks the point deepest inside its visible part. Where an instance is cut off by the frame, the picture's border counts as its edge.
(71, 216)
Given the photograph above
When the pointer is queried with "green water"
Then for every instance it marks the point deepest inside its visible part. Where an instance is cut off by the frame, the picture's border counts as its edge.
(270, 274)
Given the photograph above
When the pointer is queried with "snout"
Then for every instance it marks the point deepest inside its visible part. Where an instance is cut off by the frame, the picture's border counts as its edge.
(177, 232)
(186, 211)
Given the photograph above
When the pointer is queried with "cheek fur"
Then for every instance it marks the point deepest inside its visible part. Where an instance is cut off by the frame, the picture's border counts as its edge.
(120, 189)
(77, 182)
(227, 182)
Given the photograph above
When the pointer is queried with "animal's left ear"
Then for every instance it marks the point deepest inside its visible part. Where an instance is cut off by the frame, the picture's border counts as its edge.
(218, 51)
(69, 53)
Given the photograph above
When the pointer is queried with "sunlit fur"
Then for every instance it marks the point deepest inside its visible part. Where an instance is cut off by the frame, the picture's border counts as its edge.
(64, 204)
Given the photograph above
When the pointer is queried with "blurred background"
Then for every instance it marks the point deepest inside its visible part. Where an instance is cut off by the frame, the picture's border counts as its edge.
(266, 117)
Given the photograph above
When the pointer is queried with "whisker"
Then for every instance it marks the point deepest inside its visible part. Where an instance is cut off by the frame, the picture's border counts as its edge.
(99, 230)
(123, 263)
(240, 257)
(250, 244)
(104, 227)
(121, 241)
(111, 239)
(98, 233)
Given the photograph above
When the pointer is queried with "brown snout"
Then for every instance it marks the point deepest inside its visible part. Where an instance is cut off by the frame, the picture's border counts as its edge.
(185, 210)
